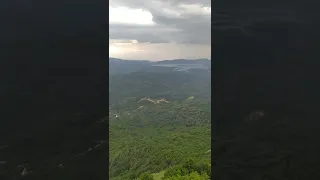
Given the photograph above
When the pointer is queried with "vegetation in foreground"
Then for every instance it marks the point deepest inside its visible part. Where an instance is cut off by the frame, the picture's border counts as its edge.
(170, 136)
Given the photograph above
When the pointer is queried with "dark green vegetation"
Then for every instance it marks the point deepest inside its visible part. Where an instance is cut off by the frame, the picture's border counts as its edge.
(160, 119)
(189, 170)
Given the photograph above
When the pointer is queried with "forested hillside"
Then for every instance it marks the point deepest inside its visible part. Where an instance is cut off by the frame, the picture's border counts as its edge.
(172, 84)
(154, 136)
(160, 125)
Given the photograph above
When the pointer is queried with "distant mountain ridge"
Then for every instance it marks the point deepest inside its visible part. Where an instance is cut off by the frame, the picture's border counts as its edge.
(117, 66)
(125, 66)
(114, 60)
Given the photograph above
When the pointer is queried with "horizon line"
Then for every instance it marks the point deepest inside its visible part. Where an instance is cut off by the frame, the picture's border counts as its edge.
(161, 60)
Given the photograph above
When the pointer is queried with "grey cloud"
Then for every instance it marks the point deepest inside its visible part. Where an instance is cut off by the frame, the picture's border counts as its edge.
(185, 28)
(195, 29)
(146, 4)
(142, 34)
(203, 2)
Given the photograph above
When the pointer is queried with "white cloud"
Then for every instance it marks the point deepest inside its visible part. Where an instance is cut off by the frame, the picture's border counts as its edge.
(124, 15)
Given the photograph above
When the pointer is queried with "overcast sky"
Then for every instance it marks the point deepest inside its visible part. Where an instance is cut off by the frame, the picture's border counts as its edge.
(159, 29)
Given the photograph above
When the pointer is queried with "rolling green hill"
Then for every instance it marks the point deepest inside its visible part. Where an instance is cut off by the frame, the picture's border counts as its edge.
(152, 136)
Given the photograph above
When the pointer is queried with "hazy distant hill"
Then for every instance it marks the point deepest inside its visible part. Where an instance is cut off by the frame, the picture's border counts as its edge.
(124, 66)
(119, 66)
(184, 61)
(162, 83)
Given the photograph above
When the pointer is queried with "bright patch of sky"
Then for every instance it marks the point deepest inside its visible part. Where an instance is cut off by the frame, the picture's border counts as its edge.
(124, 15)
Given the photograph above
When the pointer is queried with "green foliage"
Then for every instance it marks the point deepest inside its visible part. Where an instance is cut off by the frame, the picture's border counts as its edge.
(145, 176)
(191, 176)
(158, 136)
(189, 170)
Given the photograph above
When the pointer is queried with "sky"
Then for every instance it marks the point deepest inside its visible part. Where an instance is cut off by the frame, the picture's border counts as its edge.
(159, 29)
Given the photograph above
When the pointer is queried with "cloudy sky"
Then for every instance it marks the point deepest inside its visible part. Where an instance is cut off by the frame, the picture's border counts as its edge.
(159, 29)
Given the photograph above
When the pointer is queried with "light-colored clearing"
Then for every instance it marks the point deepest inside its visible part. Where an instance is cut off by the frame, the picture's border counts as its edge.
(158, 176)
(154, 101)
(190, 98)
